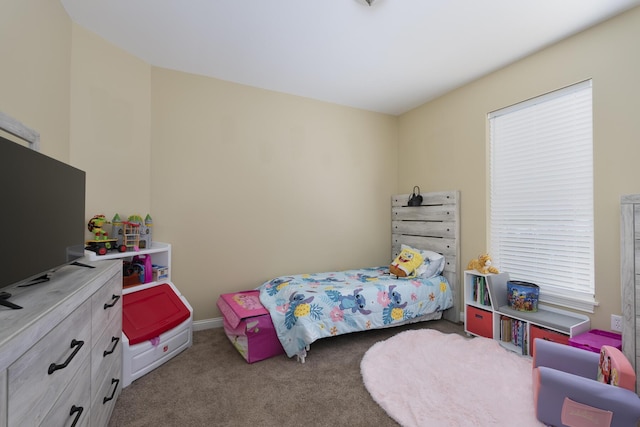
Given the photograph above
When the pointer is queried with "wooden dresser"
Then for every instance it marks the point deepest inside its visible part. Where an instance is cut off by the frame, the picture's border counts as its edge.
(630, 279)
(61, 356)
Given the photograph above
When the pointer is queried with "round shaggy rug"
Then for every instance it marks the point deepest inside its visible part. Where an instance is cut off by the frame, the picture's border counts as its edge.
(427, 378)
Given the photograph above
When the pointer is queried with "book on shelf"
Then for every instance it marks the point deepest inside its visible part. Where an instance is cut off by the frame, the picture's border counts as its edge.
(475, 290)
(514, 331)
(505, 329)
(480, 291)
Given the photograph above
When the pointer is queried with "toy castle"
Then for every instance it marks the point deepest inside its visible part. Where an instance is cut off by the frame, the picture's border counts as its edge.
(142, 227)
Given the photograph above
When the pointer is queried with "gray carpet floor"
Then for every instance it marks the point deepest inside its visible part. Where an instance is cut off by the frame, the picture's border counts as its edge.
(210, 384)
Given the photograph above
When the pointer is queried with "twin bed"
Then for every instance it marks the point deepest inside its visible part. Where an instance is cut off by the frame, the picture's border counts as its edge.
(308, 307)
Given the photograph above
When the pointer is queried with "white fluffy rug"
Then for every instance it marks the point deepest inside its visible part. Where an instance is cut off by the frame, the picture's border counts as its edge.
(427, 378)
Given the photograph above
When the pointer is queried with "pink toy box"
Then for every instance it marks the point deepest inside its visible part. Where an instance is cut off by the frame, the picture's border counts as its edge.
(595, 339)
(248, 326)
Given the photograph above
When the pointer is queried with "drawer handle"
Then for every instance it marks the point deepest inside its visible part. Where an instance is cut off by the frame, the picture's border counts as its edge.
(114, 340)
(115, 299)
(479, 316)
(74, 343)
(113, 393)
(78, 411)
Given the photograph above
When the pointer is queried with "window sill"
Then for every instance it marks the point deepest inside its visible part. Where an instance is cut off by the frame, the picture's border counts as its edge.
(579, 304)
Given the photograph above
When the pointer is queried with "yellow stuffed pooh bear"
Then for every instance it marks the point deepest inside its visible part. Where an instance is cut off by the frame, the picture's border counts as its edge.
(406, 263)
(483, 265)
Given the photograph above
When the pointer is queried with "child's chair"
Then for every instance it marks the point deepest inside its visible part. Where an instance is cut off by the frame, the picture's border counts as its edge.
(575, 388)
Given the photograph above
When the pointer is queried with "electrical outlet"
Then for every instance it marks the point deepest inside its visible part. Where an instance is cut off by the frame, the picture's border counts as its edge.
(616, 323)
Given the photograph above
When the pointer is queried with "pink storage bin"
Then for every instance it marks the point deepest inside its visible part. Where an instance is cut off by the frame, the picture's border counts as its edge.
(248, 326)
(596, 338)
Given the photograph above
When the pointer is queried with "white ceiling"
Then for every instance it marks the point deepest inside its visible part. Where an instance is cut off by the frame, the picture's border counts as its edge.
(389, 58)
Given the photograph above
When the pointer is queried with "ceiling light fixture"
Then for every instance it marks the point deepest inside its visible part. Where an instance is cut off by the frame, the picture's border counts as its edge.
(367, 2)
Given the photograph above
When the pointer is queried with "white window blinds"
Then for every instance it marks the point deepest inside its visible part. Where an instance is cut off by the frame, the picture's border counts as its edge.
(541, 196)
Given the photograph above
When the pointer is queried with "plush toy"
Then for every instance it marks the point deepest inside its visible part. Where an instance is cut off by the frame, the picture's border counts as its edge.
(406, 263)
(482, 264)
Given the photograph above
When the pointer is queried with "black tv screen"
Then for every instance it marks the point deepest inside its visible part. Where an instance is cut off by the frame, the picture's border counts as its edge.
(42, 207)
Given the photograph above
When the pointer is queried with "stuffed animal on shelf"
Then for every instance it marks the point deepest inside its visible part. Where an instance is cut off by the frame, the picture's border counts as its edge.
(483, 265)
(406, 263)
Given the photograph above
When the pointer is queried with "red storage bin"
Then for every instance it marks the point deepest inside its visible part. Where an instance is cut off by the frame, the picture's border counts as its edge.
(546, 334)
(479, 322)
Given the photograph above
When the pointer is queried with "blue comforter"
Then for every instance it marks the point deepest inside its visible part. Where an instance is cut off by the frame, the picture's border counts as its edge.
(307, 307)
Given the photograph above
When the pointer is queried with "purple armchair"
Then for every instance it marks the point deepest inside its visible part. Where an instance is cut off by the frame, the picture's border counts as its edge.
(567, 390)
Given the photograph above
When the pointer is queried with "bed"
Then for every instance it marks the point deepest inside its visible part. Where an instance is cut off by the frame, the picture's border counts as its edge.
(308, 307)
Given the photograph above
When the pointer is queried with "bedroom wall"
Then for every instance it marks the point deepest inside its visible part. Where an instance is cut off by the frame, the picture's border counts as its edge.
(229, 141)
(245, 183)
(88, 100)
(35, 47)
(111, 125)
(249, 184)
(451, 132)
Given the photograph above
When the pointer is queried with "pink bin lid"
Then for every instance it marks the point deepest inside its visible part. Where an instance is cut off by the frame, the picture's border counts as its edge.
(242, 305)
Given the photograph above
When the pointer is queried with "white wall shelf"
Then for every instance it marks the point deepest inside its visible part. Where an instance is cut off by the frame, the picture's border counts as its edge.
(160, 255)
(141, 358)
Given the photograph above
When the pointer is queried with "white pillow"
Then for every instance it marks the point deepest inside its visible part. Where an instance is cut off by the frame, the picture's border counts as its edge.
(433, 264)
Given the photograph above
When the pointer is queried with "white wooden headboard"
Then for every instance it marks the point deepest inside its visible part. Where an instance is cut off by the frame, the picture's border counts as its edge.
(435, 225)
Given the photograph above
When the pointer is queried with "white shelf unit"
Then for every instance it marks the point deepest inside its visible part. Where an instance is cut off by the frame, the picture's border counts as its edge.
(548, 322)
(160, 255)
(141, 358)
(478, 305)
(476, 290)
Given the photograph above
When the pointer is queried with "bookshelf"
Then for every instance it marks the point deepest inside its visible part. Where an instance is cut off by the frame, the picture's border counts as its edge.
(478, 307)
(477, 293)
(515, 330)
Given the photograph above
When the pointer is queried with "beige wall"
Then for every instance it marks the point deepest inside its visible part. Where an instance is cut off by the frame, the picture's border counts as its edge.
(89, 101)
(450, 133)
(249, 184)
(192, 151)
(111, 125)
(35, 47)
(319, 176)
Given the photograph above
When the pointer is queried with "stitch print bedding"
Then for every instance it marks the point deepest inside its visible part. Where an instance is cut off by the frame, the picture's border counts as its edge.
(307, 307)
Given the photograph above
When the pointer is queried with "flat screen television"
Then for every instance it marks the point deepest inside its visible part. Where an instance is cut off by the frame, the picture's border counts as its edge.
(42, 215)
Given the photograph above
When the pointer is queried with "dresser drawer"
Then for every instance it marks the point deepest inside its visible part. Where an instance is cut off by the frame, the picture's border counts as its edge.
(108, 386)
(479, 322)
(3, 398)
(105, 352)
(37, 378)
(74, 403)
(107, 305)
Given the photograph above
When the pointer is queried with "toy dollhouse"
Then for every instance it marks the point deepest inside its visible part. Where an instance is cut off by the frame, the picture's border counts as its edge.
(134, 232)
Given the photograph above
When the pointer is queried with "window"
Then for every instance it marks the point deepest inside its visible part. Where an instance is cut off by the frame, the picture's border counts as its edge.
(541, 195)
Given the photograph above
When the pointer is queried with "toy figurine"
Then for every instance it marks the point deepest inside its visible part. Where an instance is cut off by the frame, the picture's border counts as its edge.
(95, 226)
(101, 243)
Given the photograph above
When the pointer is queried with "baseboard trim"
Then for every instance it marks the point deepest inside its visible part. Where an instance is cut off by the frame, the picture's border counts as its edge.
(201, 325)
